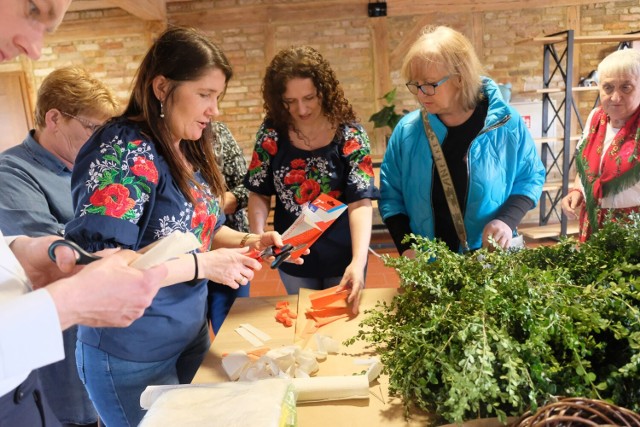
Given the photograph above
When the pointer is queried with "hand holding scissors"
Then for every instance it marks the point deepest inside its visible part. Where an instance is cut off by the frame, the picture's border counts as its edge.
(83, 257)
(280, 254)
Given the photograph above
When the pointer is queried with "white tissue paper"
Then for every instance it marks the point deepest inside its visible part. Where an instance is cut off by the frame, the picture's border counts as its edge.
(268, 403)
(300, 366)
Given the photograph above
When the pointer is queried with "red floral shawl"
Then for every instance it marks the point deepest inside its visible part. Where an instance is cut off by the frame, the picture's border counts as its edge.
(620, 165)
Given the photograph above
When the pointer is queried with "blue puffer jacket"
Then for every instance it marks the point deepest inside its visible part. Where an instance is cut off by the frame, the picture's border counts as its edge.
(502, 160)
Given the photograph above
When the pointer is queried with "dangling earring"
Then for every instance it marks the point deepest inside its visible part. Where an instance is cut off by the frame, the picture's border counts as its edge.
(161, 110)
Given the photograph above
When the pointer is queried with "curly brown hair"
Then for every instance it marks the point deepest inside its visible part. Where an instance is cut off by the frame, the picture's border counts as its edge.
(303, 62)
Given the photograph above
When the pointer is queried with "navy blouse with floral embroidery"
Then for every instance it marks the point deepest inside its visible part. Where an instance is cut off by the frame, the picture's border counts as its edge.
(342, 169)
(124, 196)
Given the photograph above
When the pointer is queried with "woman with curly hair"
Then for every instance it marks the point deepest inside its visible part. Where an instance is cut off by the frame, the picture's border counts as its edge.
(311, 143)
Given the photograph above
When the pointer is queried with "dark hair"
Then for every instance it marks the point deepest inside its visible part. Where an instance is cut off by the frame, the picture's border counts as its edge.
(179, 54)
(303, 62)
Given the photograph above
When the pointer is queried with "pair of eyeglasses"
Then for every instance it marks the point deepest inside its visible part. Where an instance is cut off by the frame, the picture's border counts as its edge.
(426, 88)
(91, 127)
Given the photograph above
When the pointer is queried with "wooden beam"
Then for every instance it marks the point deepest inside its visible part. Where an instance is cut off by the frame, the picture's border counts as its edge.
(277, 11)
(273, 13)
(477, 36)
(380, 48)
(269, 44)
(381, 74)
(73, 31)
(153, 30)
(412, 7)
(147, 10)
(82, 5)
(397, 55)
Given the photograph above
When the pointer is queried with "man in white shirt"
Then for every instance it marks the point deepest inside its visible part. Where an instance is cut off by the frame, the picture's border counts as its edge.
(105, 293)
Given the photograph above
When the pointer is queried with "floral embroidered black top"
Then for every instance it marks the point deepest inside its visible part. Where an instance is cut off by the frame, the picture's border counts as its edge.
(124, 196)
(233, 167)
(342, 169)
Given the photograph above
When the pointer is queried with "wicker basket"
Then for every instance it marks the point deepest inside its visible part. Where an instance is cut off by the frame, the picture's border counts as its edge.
(576, 411)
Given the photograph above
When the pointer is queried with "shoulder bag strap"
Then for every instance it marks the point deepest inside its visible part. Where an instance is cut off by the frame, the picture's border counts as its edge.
(447, 182)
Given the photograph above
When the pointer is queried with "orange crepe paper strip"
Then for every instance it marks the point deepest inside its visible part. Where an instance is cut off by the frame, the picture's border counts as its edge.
(327, 296)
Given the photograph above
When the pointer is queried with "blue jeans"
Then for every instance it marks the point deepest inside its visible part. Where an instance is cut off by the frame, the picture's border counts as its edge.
(115, 384)
(220, 300)
(293, 284)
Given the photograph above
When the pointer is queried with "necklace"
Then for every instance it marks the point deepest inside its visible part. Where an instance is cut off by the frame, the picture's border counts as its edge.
(304, 138)
(320, 135)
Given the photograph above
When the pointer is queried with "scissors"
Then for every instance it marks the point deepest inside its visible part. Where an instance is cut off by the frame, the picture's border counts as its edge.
(83, 258)
(280, 254)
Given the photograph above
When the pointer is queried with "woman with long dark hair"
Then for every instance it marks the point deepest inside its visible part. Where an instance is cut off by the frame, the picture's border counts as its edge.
(140, 177)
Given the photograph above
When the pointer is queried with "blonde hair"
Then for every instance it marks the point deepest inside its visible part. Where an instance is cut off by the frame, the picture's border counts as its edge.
(620, 62)
(74, 91)
(452, 50)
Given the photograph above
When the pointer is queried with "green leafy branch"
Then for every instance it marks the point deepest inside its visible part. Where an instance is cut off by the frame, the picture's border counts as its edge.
(498, 333)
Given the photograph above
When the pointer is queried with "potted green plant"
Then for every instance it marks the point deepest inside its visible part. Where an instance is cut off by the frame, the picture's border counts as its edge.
(387, 115)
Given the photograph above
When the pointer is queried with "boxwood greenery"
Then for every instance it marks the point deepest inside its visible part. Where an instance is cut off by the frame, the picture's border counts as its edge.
(498, 333)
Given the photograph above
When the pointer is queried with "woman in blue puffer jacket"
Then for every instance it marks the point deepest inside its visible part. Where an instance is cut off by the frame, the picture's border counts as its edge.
(494, 166)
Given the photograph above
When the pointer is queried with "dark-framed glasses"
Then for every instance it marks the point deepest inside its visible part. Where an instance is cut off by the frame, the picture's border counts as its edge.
(426, 88)
(91, 127)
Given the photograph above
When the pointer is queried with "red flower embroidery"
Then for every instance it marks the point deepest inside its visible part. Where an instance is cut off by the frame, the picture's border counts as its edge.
(255, 161)
(309, 190)
(298, 164)
(270, 146)
(199, 215)
(136, 142)
(350, 146)
(366, 165)
(295, 176)
(115, 198)
(207, 232)
(145, 168)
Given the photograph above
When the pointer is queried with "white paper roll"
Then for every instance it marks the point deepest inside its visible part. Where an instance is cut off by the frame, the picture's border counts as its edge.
(315, 389)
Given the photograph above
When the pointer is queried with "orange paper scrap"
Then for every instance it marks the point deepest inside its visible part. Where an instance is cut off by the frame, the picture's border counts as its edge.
(328, 296)
(284, 314)
(328, 306)
(326, 320)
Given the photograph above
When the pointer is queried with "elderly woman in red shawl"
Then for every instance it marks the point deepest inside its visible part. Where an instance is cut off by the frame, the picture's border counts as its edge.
(608, 156)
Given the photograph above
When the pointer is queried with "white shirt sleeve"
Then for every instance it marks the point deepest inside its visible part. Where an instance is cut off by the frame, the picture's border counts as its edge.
(30, 333)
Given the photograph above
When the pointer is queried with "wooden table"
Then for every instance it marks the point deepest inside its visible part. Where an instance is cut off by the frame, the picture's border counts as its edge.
(378, 410)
